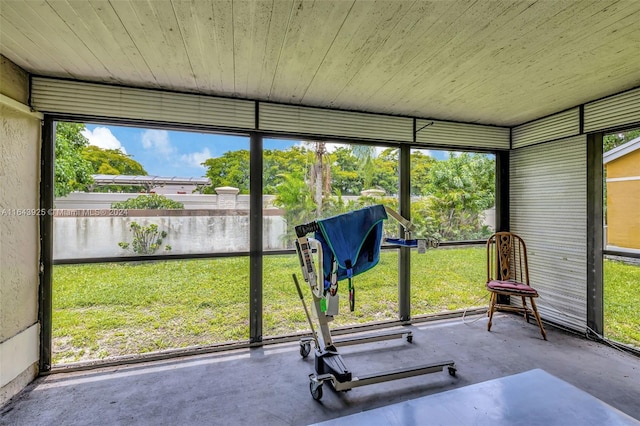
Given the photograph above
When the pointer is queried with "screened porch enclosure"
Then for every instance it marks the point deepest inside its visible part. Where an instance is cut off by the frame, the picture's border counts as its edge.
(534, 86)
(533, 164)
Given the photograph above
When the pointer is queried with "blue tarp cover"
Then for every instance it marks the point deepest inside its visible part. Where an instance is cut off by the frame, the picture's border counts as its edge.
(353, 238)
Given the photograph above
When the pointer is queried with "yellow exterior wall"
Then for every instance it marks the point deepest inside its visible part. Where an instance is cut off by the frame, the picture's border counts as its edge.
(623, 202)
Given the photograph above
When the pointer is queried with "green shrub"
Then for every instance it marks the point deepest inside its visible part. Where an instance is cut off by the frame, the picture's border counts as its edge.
(146, 239)
(153, 201)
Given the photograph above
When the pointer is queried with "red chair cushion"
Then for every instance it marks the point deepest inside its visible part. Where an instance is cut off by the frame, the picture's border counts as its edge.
(512, 287)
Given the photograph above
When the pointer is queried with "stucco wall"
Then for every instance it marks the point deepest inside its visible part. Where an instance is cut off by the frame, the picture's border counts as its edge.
(19, 158)
(623, 201)
(208, 231)
(19, 238)
(14, 82)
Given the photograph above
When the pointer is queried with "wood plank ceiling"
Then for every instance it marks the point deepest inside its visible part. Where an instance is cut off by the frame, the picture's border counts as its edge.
(500, 62)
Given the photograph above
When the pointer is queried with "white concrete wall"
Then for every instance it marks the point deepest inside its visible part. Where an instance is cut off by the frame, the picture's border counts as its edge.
(103, 200)
(19, 234)
(208, 232)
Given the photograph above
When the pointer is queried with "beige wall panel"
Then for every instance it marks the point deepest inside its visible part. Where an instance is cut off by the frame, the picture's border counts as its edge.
(14, 82)
(19, 238)
(19, 233)
(17, 384)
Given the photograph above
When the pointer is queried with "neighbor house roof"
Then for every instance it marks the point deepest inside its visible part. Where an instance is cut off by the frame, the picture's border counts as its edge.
(147, 180)
(621, 151)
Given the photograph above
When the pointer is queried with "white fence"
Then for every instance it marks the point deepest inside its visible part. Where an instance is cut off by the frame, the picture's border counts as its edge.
(95, 233)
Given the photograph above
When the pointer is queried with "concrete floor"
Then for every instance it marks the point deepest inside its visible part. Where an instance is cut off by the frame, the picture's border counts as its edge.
(270, 386)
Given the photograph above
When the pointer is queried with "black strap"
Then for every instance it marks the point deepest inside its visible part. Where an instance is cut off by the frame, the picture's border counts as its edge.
(352, 296)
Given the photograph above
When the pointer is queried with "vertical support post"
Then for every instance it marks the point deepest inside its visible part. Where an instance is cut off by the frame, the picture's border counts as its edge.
(595, 234)
(502, 191)
(502, 202)
(255, 238)
(47, 158)
(404, 258)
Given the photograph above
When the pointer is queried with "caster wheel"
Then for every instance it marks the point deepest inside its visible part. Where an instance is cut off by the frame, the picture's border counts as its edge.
(305, 349)
(452, 371)
(317, 393)
(410, 338)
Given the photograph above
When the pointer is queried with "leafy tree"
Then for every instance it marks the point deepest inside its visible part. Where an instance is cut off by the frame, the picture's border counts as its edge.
(113, 162)
(385, 171)
(420, 166)
(296, 198)
(345, 179)
(153, 201)
(72, 172)
(613, 140)
(460, 189)
(319, 174)
(454, 192)
(365, 155)
(230, 169)
(278, 163)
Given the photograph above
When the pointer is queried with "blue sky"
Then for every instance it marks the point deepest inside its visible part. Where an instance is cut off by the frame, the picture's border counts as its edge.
(171, 153)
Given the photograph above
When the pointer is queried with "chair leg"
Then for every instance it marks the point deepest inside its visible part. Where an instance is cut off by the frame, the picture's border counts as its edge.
(492, 305)
(525, 309)
(537, 315)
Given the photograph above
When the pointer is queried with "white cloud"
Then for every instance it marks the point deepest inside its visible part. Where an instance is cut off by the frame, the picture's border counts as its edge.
(158, 141)
(195, 159)
(103, 138)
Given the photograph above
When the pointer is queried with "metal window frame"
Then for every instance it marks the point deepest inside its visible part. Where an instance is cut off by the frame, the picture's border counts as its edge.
(256, 251)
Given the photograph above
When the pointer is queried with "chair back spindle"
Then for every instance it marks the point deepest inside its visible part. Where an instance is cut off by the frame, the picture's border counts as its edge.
(508, 275)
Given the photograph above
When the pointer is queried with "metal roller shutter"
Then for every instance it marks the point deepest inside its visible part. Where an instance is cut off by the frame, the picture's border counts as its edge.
(561, 125)
(548, 187)
(101, 100)
(446, 133)
(326, 123)
(611, 112)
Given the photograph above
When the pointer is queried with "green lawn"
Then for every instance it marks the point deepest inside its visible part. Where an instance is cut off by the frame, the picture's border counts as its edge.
(106, 310)
(622, 302)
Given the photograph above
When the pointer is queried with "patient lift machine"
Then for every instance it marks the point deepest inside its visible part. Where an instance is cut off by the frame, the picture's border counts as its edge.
(344, 246)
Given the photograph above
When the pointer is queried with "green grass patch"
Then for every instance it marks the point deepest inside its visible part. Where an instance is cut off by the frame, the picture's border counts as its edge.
(106, 310)
(622, 302)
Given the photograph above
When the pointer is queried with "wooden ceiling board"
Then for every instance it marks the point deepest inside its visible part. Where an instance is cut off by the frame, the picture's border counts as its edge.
(158, 22)
(419, 35)
(22, 47)
(529, 69)
(454, 69)
(311, 31)
(125, 21)
(251, 27)
(23, 39)
(39, 18)
(100, 39)
(501, 62)
(366, 29)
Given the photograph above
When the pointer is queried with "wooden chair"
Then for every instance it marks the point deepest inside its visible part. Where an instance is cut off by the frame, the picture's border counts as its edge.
(508, 275)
